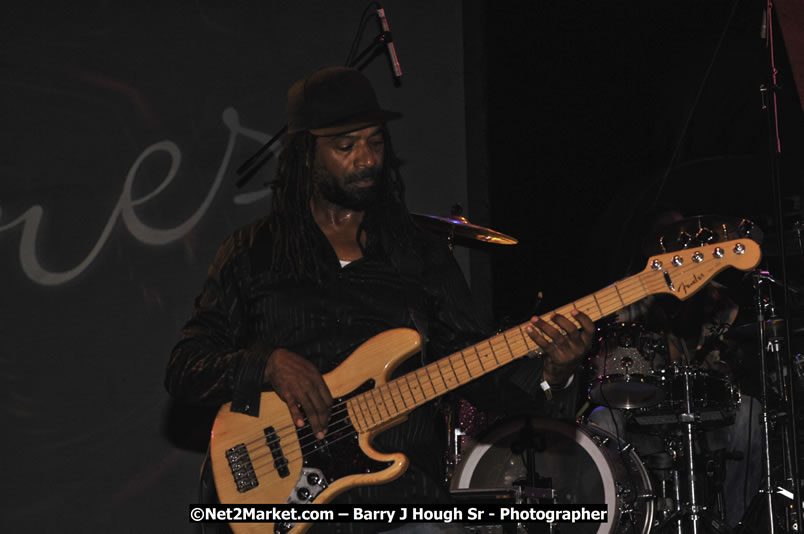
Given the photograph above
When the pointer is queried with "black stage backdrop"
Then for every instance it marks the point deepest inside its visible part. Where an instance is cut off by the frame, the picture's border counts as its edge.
(600, 113)
(122, 130)
(553, 122)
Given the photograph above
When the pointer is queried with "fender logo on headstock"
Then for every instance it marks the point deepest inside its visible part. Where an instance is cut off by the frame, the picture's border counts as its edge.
(684, 286)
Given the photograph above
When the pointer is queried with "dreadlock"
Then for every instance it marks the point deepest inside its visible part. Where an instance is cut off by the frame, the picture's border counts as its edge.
(387, 224)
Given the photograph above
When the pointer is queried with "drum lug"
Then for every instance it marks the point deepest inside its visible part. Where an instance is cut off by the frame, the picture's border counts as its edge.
(627, 511)
(627, 501)
(623, 492)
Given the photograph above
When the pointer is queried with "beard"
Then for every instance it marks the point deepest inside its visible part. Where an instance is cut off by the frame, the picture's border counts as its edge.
(351, 195)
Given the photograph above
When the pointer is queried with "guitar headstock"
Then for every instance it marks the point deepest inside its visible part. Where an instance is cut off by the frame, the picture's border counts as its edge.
(684, 272)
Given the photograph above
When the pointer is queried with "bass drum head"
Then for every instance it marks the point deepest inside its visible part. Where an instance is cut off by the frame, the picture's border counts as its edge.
(583, 463)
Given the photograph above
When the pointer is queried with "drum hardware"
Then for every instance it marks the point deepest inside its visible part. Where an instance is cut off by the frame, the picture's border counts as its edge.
(770, 345)
(665, 502)
(585, 465)
(532, 489)
(689, 511)
(688, 400)
(628, 367)
(506, 495)
(714, 471)
(514, 494)
(714, 400)
(674, 451)
(667, 468)
(793, 519)
(775, 332)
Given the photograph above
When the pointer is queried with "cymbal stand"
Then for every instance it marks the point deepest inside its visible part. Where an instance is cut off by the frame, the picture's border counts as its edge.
(677, 489)
(771, 348)
(767, 488)
(691, 509)
(770, 105)
(689, 420)
(671, 446)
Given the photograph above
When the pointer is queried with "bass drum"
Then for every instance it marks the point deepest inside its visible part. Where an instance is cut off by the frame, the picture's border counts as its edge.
(583, 462)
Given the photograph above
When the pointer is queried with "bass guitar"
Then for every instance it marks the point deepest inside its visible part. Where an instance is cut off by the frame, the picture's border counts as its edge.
(268, 460)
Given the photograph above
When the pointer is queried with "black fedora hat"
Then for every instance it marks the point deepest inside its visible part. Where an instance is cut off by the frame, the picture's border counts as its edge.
(334, 101)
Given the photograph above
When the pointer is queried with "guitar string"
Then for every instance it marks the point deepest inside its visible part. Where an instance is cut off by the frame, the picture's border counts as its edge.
(384, 389)
(300, 449)
(652, 285)
(402, 398)
(301, 431)
(302, 434)
(305, 432)
(599, 303)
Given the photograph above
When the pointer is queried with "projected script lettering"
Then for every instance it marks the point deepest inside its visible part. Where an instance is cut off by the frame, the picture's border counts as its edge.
(126, 204)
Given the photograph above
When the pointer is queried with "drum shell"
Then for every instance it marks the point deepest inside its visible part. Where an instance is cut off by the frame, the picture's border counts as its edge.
(709, 389)
(714, 399)
(583, 462)
(628, 369)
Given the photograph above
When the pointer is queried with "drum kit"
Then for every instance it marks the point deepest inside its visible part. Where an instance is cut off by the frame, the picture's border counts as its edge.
(636, 378)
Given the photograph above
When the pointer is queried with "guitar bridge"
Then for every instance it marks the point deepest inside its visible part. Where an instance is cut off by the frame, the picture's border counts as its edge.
(243, 472)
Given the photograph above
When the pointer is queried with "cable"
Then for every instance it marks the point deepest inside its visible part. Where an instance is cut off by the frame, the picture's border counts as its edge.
(359, 34)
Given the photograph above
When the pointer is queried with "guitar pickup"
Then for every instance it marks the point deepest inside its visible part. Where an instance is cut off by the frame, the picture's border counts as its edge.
(243, 472)
(280, 462)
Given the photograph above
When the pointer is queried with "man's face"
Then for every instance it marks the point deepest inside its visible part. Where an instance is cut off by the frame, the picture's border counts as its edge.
(347, 167)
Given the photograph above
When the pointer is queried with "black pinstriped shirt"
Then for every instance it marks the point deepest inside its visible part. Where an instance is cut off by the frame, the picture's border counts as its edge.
(244, 305)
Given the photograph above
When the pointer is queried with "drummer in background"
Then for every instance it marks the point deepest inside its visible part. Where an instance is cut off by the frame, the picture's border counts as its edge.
(695, 330)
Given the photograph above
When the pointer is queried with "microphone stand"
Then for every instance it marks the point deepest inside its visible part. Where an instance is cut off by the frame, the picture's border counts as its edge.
(247, 170)
(767, 490)
(790, 445)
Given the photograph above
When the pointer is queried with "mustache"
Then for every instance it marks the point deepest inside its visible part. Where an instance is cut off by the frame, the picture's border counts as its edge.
(361, 175)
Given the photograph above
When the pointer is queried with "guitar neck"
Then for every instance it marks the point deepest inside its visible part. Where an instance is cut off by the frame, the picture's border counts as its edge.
(680, 273)
(389, 401)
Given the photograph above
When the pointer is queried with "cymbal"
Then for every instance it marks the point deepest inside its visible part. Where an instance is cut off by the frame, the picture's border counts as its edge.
(774, 328)
(700, 230)
(461, 227)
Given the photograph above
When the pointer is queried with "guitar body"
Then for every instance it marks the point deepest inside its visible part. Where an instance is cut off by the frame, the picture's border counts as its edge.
(259, 460)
